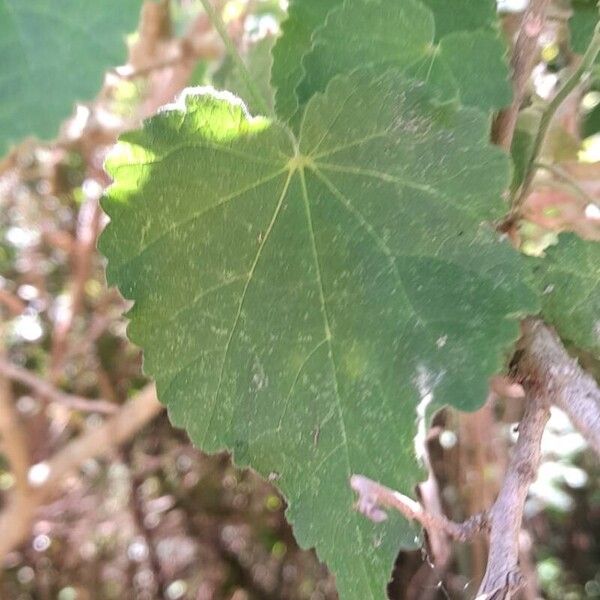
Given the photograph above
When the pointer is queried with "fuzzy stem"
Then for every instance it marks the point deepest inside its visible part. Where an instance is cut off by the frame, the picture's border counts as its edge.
(548, 115)
(218, 24)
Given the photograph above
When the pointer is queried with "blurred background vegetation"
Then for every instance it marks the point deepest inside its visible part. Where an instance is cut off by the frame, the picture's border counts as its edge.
(138, 513)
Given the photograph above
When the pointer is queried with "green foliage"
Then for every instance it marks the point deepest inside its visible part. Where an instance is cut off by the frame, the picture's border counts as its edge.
(467, 33)
(569, 281)
(258, 62)
(299, 309)
(380, 33)
(487, 51)
(462, 15)
(522, 144)
(582, 23)
(309, 288)
(520, 151)
(591, 122)
(398, 35)
(53, 54)
(304, 16)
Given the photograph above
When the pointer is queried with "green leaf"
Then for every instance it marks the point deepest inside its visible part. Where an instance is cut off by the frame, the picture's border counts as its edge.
(522, 145)
(54, 54)
(452, 16)
(302, 301)
(365, 33)
(528, 123)
(569, 280)
(591, 122)
(258, 61)
(304, 16)
(382, 33)
(488, 86)
(582, 23)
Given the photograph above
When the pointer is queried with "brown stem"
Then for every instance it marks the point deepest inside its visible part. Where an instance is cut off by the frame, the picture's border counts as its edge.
(18, 507)
(546, 364)
(89, 219)
(47, 391)
(16, 517)
(502, 577)
(12, 438)
(523, 60)
(13, 303)
(372, 495)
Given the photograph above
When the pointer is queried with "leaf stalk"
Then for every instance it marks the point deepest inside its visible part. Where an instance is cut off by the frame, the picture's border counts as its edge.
(219, 25)
(548, 115)
(569, 182)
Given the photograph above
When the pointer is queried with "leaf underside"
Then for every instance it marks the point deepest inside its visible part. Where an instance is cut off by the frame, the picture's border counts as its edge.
(54, 53)
(301, 301)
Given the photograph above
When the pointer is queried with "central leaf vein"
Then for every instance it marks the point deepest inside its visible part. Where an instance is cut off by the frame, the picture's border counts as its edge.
(319, 281)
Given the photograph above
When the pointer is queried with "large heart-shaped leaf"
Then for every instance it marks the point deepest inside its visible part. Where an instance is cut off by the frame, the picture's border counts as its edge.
(302, 301)
(53, 54)
(382, 33)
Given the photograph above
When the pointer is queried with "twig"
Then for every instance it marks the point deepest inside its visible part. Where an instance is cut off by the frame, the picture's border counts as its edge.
(522, 62)
(14, 304)
(372, 495)
(440, 548)
(565, 178)
(480, 447)
(218, 24)
(100, 442)
(186, 50)
(129, 73)
(47, 391)
(139, 515)
(12, 437)
(547, 116)
(88, 226)
(16, 518)
(18, 506)
(546, 364)
(502, 577)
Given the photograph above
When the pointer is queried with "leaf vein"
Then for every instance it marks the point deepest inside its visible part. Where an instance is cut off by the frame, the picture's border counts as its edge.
(242, 299)
(319, 281)
(196, 215)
